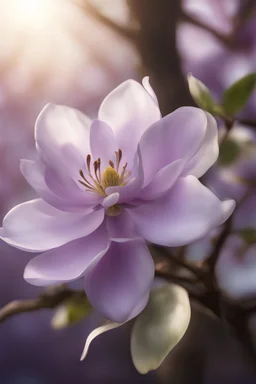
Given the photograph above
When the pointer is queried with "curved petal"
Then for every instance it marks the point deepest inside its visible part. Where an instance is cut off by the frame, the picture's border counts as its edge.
(129, 110)
(110, 325)
(149, 89)
(97, 332)
(62, 137)
(102, 142)
(208, 153)
(69, 190)
(68, 262)
(163, 181)
(110, 200)
(179, 135)
(34, 172)
(116, 285)
(36, 226)
(182, 216)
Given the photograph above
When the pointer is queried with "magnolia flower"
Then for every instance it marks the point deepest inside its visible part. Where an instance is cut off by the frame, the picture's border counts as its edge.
(109, 185)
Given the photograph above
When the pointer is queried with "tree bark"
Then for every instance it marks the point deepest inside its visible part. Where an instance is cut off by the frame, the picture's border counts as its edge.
(157, 46)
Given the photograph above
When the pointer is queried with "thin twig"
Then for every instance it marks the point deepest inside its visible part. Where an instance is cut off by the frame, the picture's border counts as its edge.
(184, 282)
(122, 30)
(213, 258)
(250, 123)
(51, 299)
(224, 39)
(198, 271)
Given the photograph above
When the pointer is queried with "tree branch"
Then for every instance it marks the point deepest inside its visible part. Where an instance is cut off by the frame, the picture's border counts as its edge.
(224, 39)
(213, 258)
(157, 46)
(121, 30)
(52, 298)
(197, 271)
(250, 123)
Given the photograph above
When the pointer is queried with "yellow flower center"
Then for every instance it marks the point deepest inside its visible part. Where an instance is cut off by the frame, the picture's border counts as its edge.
(110, 177)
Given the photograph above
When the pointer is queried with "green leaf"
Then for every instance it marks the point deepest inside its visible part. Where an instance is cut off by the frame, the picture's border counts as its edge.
(71, 312)
(159, 327)
(236, 96)
(229, 152)
(201, 94)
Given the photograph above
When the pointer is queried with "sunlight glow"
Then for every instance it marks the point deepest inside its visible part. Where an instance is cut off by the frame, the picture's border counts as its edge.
(35, 14)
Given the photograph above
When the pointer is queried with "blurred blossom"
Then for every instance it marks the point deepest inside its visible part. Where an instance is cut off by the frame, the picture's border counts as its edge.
(54, 47)
(107, 186)
(236, 269)
(218, 62)
(216, 13)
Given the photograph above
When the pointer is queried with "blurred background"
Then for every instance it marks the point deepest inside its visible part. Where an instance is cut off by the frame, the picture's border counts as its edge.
(74, 52)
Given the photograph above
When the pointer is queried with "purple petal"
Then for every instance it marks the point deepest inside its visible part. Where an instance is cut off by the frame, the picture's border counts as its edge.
(162, 181)
(62, 137)
(34, 173)
(177, 136)
(122, 278)
(71, 191)
(129, 110)
(130, 190)
(102, 142)
(67, 262)
(208, 153)
(121, 226)
(36, 226)
(182, 216)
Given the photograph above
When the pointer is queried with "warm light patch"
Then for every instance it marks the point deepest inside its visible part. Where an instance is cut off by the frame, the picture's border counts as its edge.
(32, 14)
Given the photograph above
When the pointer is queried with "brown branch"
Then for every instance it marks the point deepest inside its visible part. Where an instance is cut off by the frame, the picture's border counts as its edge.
(213, 258)
(50, 299)
(184, 282)
(121, 30)
(198, 271)
(224, 39)
(250, 123)
(157, 47)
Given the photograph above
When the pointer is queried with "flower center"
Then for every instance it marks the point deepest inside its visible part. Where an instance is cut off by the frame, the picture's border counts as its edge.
(98, 181)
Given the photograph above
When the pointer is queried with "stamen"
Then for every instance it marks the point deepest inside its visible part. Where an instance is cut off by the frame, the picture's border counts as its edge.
(96, 165)
(110, 177)
(123, 171)
(84, 178)
(99, 163)
(119, 155)
(85, 185)
(88, 161)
